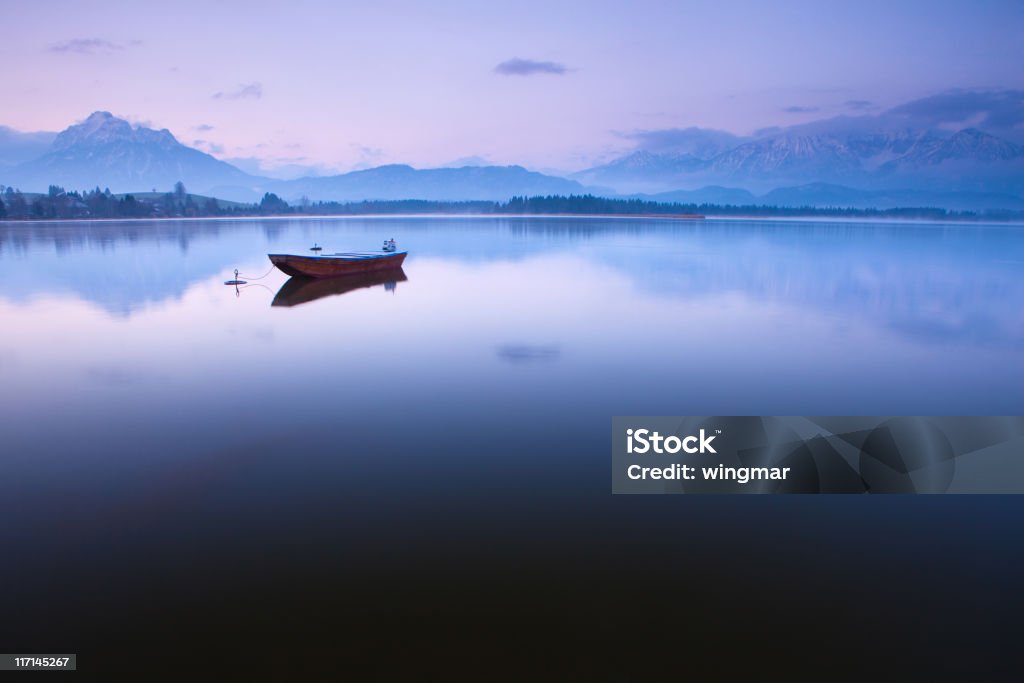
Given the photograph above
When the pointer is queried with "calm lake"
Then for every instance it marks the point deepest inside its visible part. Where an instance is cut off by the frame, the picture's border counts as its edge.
(421, 464)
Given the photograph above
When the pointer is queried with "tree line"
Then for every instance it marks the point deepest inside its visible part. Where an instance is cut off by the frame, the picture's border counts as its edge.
(58, 203)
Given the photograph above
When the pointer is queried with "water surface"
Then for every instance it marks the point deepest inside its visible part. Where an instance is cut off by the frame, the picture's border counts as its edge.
(429, 453)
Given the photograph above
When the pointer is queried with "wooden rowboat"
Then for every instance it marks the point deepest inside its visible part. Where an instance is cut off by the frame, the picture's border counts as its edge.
(342, 263)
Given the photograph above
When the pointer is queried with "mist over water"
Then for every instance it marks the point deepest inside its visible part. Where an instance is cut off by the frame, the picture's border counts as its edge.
(428, 456)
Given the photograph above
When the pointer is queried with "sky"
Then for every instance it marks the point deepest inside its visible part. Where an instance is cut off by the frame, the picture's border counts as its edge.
(550, 85)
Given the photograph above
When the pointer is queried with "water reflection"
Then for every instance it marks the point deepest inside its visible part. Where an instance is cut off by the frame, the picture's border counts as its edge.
(528, 353)
(301, 290)
(935, 283)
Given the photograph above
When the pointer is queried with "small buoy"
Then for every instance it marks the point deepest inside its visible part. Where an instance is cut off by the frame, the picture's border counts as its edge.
(236, 281)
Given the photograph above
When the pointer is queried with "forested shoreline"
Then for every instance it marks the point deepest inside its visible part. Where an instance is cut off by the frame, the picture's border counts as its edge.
(61, 204)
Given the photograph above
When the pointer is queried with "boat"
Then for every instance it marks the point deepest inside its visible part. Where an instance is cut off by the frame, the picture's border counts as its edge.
(341, 263)
(301, 290)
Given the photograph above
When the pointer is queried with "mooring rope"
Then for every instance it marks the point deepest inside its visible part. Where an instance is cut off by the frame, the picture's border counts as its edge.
(248, 277)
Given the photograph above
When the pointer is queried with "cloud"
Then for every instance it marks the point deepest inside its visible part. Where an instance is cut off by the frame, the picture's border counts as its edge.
(700, 142)
(137, 122)
(368, 157)
(860, 105)
(281, 168)
(203, 128)
(529, 67)
(462, 162)
(797, 109)
(242, 92)
(987, 109)
(89, 46)
(211, 147)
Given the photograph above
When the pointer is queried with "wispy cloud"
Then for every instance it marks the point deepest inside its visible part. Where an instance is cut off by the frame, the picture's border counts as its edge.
(701, 142)
(89, 46)
(282, 168)
(860, 105)
(203, 128)
(245, 91)
(211, 147)
(529, 67)
(461, 162)
(368, 157)
(798, 109)
(995, 109)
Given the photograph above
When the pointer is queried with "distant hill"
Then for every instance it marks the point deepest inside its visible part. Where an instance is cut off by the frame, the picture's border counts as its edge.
(644, 170)
(17, 147)
(495, 183)
(826, 195)
(712, 194)
(822, 195)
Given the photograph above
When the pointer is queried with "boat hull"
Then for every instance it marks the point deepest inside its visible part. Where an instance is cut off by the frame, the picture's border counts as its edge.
(334, 266)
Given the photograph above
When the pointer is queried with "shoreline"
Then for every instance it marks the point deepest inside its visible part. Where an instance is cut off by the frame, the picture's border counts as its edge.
(405, 216)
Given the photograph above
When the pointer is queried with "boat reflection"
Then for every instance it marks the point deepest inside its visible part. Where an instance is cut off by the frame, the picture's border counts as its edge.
(301, 290)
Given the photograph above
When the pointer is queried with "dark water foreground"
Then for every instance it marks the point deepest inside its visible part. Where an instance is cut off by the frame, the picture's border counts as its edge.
(411, 478)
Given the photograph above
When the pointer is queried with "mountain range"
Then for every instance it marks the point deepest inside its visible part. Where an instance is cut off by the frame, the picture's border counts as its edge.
(107, 151)
(966, 160)
(887, 160)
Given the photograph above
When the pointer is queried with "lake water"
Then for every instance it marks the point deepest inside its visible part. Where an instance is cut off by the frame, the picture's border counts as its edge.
(421, 465)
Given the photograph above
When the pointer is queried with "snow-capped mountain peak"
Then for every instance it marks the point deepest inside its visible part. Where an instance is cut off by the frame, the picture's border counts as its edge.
(103, 128)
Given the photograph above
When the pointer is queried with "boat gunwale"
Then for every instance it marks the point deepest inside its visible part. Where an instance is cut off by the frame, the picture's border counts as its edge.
(345, 255)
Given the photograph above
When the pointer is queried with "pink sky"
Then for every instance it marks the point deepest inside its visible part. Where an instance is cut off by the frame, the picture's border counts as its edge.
(342, 84)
